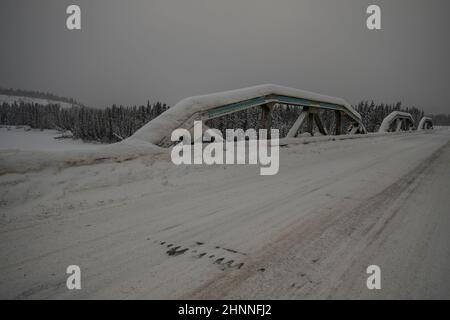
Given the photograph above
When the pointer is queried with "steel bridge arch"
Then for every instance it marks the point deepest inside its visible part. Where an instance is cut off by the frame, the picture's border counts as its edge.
(395, 121)
(183, 114)
(425, 124)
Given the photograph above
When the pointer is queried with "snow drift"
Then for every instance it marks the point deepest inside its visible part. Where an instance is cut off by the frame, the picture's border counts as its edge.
(18, 161)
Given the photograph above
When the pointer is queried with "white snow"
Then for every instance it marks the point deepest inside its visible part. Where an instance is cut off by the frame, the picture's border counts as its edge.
(145, 228)
(22, 150)
(24, 138)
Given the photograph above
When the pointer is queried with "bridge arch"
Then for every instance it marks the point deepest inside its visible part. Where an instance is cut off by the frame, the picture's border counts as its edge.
(397, 121)
(184, 113)
(425, 124)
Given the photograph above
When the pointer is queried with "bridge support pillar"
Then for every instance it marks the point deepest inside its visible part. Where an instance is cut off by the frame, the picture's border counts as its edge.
(310, 123)
(338, 122)
(354, 128)
(399, 125)
(297, 125)
(267, 119)
(320, 125)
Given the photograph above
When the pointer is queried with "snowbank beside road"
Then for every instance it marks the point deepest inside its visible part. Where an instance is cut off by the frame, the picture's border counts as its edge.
(25, 139)
(23, 151)
(33, 158)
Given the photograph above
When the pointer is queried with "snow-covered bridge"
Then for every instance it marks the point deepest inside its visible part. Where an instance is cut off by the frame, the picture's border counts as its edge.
(397, 121)
(425, 124)
(185, 112)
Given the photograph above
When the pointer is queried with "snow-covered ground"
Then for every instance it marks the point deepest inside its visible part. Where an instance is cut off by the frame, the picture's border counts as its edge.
(18, 99)
(24, 138)
(144, 228)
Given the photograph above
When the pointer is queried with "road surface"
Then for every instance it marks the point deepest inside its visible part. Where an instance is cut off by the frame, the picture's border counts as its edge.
(148, 229)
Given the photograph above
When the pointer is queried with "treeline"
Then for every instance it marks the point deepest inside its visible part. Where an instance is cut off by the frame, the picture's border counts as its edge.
(37, 94)
(283, 118)
(373, 114)
(103, 125)
(441, 119)
(119, 122)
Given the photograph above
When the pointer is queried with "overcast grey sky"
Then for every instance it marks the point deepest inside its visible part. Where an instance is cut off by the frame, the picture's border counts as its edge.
(132, 50)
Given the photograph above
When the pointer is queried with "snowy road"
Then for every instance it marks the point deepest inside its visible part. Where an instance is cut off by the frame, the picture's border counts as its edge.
(147, 229)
